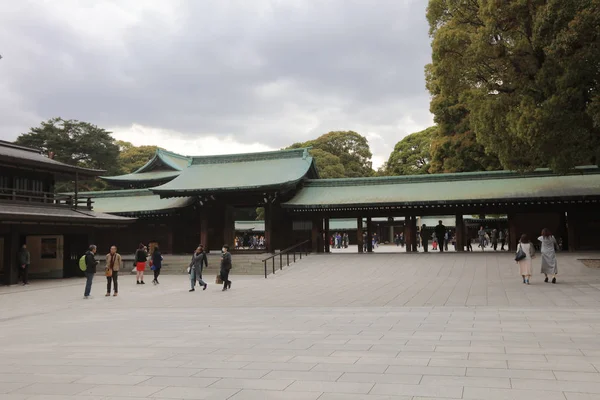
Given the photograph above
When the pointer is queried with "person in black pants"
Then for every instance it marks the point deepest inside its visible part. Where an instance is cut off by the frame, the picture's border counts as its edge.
(113, 265)
(440, 232)
(24, 261)
(225, 267)
(90, 271)
(424, 242)
(157, 259)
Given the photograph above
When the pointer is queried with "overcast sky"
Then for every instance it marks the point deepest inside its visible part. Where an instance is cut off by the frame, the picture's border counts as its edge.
(217, 76)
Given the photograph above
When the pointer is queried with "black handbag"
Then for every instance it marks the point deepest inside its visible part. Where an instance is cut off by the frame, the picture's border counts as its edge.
(520, 254)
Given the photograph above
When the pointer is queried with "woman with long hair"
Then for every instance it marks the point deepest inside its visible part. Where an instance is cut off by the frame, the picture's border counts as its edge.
(525, 264)
(548, 250)
(141, 256)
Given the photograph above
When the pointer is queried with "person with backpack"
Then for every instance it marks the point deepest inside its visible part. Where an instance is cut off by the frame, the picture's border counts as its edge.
(113, 265)
(88, 264)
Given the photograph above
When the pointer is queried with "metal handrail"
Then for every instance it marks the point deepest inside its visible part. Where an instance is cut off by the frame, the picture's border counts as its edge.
(292, 250)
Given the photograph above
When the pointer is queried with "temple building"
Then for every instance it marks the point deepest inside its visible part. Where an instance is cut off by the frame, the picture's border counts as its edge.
(182, 201)
(178, 202)
(57, 229)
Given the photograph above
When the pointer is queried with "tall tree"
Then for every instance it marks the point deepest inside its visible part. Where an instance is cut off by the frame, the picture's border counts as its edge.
(76, 143)
(526, 74)
(341, 154)
(132, 158)
(412, 154)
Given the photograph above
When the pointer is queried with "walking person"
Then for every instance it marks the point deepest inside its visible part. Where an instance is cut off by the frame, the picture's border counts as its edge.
(502, 238)
(424, 239)
(494, 239)
(113, 265)
(157, 259)
(440, 233)
(198, 258)
(141, 256)
(548, 250)
(225, 267)
(525, 264)
(90, 270)
(24, 258)
(481, 234)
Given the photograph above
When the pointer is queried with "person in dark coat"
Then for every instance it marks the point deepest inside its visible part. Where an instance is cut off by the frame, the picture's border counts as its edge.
(440, 233)
(157, 259)
(424, 239)
(90, 271)
(225, 267)
(24, 261)
(198, 260)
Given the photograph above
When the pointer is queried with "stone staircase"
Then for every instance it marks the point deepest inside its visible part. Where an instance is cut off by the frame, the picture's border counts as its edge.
(176, 264)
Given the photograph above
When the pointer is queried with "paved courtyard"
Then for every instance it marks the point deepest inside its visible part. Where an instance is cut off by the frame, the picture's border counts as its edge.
(340, 326)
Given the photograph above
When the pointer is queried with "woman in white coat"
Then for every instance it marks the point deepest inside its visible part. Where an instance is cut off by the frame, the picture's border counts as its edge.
(548, 250)
(525, 264)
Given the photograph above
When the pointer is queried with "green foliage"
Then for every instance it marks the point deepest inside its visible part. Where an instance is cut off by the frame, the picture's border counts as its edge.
(520, 78)
(132, 158)
(340, 154)
(76, 143)
(411, 155)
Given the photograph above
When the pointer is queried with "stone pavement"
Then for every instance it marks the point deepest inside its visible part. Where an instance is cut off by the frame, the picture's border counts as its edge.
(372, 327)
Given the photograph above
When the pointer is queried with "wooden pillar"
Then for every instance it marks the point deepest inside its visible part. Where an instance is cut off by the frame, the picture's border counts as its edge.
(326, 232)
(204, 229)
(512, 232)
(269, 237)
(407, 235)
(12, 248)
(359, 234)
(413, 232)
(460, 233)
(572, 232)
(369, 235)
(317, 227)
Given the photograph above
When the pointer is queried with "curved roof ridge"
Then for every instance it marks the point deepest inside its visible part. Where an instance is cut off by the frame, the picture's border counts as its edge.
(246, 157)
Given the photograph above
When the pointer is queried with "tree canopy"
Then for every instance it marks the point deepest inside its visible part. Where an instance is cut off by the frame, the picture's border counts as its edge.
(74, 142)
(411, 155)
(340, 154)
(132, 158)
(519, 78)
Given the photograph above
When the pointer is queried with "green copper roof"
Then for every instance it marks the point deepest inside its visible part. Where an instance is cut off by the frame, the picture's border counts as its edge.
(164, 166)
(255, 171)
(447, 189)
(173, 161)
(143, 176)
(135, 201)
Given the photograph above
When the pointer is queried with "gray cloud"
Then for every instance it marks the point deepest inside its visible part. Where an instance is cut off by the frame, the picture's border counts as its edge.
(266, 71)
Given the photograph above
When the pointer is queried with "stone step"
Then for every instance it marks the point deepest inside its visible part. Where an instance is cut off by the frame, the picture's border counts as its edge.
(176, 264)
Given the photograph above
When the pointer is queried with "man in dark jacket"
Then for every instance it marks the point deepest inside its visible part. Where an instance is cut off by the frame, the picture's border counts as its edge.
(90, 270)
(225, 267)
(440, 233)
(24, 261)
(424, 238)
